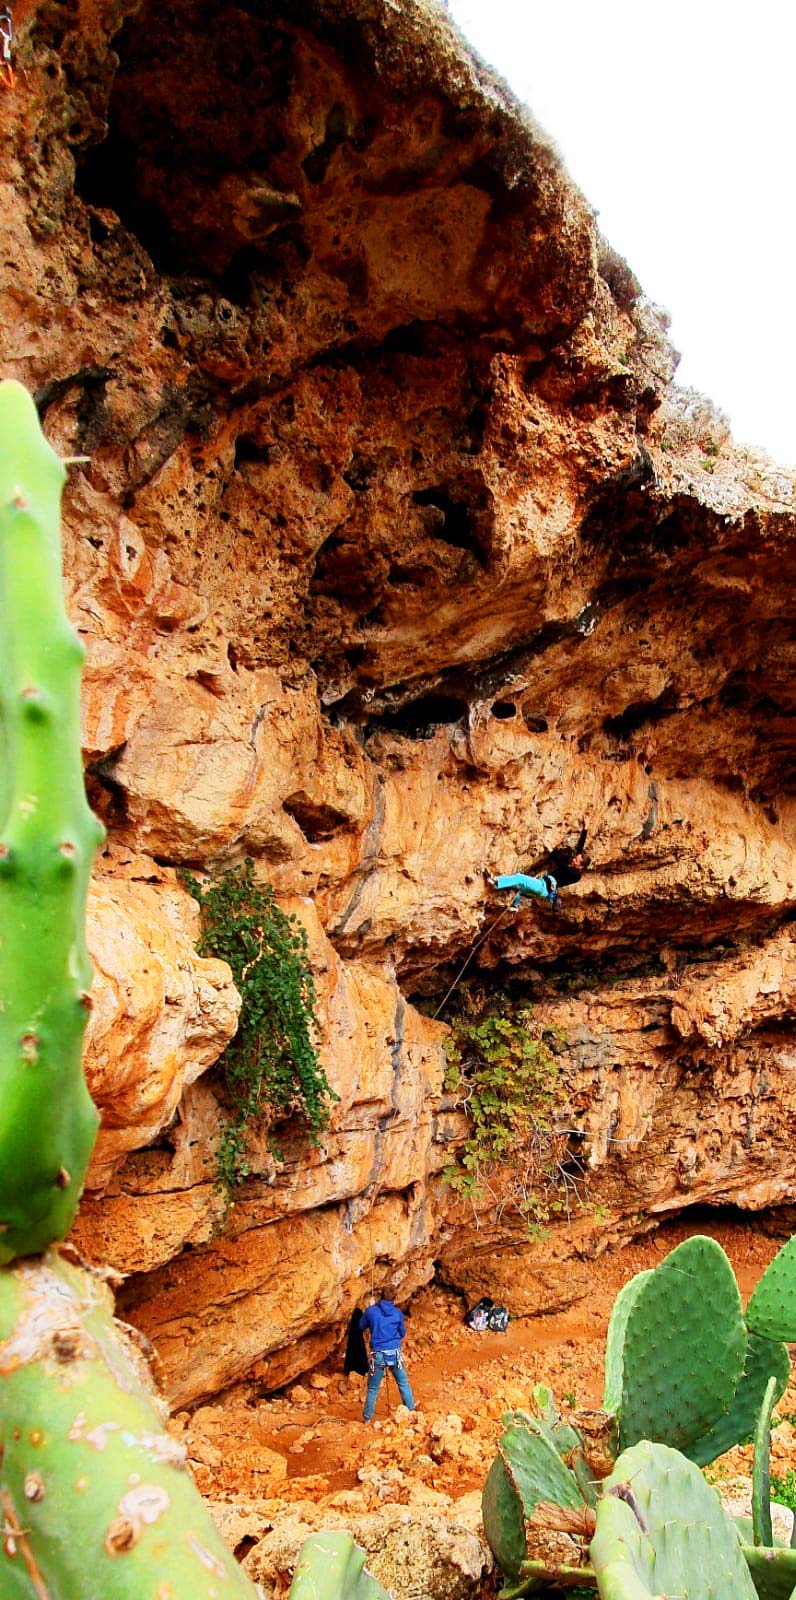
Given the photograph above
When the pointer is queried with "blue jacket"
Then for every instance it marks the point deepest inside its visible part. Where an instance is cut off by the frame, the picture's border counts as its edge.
(385, 1324)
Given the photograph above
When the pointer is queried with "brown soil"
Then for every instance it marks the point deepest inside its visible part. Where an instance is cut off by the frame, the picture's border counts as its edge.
(311, 1444)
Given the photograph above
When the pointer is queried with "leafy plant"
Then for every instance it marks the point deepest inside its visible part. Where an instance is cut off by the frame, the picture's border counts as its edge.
(783, 1490)
(508, 1081)
(271, 1067)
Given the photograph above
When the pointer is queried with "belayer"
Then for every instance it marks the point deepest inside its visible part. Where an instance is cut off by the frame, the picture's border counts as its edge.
(385, 1324)
(564, 866)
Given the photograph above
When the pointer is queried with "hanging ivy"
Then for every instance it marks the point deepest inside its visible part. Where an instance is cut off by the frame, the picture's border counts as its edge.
(271, 1067)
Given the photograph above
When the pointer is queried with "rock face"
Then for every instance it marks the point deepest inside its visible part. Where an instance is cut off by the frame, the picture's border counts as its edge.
(396, 555)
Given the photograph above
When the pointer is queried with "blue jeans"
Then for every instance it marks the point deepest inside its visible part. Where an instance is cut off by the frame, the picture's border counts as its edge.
(525, 885)
(382, 1359)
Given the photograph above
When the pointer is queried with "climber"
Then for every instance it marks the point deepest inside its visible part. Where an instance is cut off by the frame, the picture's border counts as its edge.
(564, 867)
(6, 42)
(387, 1328)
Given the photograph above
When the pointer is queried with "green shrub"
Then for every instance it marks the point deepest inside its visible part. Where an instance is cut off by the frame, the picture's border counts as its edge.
(783, 1490)
(508, 1081)
(271, 1067)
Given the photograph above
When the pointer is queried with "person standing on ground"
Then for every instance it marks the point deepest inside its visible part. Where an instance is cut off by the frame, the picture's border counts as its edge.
(385, 1324)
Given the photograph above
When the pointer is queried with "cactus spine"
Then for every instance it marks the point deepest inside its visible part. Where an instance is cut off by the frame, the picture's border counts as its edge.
(48, 837)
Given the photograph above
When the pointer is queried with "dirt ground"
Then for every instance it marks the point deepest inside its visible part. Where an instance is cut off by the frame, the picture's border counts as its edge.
(310, 1444)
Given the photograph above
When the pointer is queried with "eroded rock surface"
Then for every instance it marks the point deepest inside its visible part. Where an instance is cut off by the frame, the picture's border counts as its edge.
(397, 556)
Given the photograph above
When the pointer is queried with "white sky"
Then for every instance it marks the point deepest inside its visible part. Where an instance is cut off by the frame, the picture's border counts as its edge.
(677, 119)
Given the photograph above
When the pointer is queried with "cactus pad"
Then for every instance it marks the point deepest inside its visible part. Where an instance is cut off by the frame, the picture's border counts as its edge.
(762, 1531)
(537, 1471)
(764, 1359)
(772, 1308)
(773, 1571)
(48, 837)
(684, 1347)
(94, 1494)
(661, 1531)
(615, 1342)
(331, 1567)
(503, 1518)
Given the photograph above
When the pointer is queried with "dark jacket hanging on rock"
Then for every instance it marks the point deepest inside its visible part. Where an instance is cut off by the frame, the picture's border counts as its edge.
(356, 1351)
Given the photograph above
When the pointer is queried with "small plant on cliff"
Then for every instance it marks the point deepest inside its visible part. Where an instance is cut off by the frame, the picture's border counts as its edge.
(271, 1067)
(508, 1082)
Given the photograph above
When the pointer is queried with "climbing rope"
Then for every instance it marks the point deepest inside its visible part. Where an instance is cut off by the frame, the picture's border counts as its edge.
(457, 980)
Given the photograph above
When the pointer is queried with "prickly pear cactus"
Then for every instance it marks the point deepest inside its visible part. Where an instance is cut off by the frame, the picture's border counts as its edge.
(772, 1308)
(537, 1470)
(527, 1471)
(48, 837)
(331, 1567)
(504, 1518)
(661, 1531)
(773, 1571)
(764, 1359)
(684, 1347)
(615, 1342)
(761, 1470)
(94, 1493)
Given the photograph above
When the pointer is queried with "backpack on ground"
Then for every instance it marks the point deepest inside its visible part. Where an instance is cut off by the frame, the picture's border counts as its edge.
(477, 1317)
(497, 1319)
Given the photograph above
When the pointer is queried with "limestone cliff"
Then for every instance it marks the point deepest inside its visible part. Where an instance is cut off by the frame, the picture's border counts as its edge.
(396, 555)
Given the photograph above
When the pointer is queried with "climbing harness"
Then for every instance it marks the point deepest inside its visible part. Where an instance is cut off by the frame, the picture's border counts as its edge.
(457, 980)
(6, 43)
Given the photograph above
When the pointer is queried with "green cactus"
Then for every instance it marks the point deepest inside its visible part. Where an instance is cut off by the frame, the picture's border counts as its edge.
(772, 1570)
(537, 1470)
(615, 1342)
(48, 836)
(661, 1531)
(762, 1531)
(331, 1567)
(764, 1359)
(504, 1519)
(91, 1482)
(527, 1471)
(684, 1347)
(772, 1308)
(550, 1422)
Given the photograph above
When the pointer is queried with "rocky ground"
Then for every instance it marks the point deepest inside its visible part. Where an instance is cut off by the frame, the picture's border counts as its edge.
(276, 1467)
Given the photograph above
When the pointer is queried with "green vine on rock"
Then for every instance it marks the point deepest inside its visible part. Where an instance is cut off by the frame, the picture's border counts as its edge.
(508, 1081)
(271, 1066)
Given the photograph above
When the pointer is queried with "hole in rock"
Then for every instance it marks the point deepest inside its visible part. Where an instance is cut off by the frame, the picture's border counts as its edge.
(504, 710)
(419, 719)
(454, 525)
(247, 449)
(316, 820)
(316, 163)
(106, 177)
(641, 713)
(360, 474)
